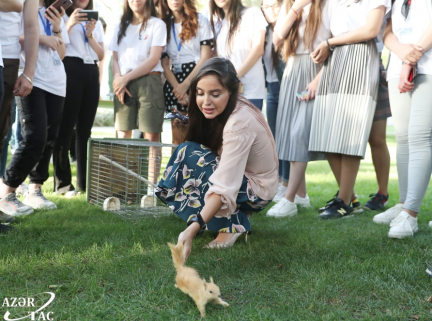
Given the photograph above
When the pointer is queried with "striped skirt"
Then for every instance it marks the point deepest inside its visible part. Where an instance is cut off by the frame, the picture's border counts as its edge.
(294, 118)
(346, 100)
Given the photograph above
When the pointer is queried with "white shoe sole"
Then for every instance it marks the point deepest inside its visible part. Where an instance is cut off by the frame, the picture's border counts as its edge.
(290, 214)
(382, 221)
(40, 207)
(17, 214)
(401, 236)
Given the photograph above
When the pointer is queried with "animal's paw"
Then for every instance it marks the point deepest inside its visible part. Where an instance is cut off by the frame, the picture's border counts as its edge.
(225, 304)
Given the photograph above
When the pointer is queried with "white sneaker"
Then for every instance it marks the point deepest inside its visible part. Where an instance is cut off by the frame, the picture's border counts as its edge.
(10, 205)
(280, 193)
(283, 209)
(37, 200)
(402, 226)
(302, 201)
(22, 189)
(389, 215)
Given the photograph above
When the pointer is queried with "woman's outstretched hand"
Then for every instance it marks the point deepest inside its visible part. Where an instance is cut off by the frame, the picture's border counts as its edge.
(186, 238)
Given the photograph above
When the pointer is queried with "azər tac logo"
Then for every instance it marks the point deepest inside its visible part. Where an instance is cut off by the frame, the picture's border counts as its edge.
(22, 308)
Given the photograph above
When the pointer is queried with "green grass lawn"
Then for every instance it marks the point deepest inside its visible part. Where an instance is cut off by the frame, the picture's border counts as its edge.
(299, 268)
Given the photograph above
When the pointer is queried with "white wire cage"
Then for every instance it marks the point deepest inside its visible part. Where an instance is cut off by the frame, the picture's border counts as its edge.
(122, 175)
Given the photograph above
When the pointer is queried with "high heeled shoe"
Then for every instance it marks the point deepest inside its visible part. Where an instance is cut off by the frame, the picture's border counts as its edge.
(219, 244)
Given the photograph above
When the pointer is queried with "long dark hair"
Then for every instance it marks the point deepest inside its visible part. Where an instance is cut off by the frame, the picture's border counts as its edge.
(126, 19)
(70, 10)
(190, 19)
(234, 18)
(208, 132)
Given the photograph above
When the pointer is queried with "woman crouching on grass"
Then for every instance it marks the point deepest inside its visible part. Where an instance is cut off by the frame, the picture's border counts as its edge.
(227, 168)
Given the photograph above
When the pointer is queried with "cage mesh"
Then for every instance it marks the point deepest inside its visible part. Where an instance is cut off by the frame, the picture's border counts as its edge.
(127, 169)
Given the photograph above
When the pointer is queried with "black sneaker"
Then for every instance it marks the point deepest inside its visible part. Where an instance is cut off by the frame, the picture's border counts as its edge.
(5, 228)
(377, 202)
(337, 209)
(329, 202)
(355, 204)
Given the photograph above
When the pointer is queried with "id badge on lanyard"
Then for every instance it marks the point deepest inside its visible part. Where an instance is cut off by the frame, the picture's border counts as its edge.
(177, 67)
(47, 27)
(88, 57)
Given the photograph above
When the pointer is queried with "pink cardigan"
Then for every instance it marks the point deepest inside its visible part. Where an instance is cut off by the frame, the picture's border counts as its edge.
(248, 149)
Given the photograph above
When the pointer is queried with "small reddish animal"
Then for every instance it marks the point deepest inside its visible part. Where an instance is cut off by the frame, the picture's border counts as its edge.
(190, 283)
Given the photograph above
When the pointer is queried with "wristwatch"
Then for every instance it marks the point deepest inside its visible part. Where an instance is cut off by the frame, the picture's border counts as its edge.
(91, 36)
(198, 219)
(57, 32)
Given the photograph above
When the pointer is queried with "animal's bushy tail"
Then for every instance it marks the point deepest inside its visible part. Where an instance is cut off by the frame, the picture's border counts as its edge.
(177, 255)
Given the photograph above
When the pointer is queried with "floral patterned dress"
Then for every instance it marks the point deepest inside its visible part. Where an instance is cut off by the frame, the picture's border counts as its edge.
(186, 181)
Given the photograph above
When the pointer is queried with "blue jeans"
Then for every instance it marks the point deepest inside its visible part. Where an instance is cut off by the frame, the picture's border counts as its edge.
(257, 102)
(273, 89)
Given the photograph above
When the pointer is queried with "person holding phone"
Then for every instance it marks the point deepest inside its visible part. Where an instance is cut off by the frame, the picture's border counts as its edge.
(40, 116)
(189, 44)
(302, 26)
(241, 40)
(408, 35)
(137, 46)
(82, 96)
(347, 93)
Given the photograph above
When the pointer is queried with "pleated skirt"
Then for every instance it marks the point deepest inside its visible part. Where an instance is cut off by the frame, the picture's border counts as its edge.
(346, 100)
(294, 118)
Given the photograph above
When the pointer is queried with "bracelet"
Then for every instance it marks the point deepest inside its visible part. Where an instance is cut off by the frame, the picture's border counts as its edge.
(294, 11)
(328, 45)
(28, 78)
(198, 219)
(57, 32)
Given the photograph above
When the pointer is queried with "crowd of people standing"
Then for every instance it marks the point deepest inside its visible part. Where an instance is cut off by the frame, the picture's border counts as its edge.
(316, 63)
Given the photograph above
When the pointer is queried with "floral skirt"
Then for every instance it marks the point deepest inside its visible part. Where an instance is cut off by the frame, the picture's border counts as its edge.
(186, 181)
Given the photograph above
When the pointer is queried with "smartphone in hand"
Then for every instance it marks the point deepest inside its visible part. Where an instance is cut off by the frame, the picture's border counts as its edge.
(91, 14)
(413, 73)
(62, 4)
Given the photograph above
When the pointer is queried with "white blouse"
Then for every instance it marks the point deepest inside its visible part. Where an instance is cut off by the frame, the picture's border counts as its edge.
(252, 22)
(190, 50)
(409, 31)
(350, 15)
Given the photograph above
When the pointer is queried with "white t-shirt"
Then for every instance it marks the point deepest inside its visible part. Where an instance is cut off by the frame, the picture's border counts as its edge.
(323, 34)
(10, 24)
(252, 22)
(48, 76)
(77, 45)
(349, 15)
(190, 51)
(135, 47)
(410, 32)
(271, 75)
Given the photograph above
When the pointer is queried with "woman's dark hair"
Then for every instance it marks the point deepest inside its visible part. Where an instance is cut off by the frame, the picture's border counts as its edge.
(208, 132)
(234, 18)
(126, 19)
(70, 10)
(190, 19)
